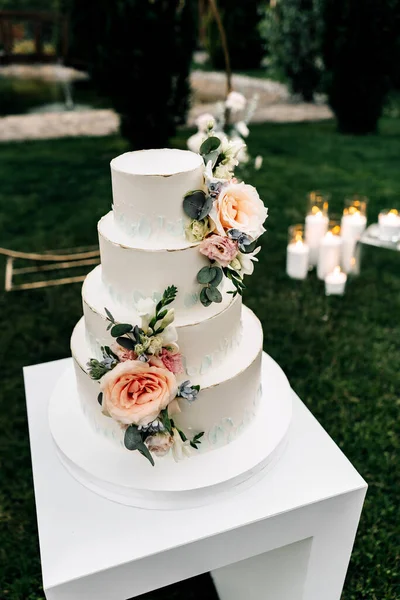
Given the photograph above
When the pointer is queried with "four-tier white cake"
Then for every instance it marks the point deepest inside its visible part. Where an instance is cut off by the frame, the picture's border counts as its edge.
(210, 344)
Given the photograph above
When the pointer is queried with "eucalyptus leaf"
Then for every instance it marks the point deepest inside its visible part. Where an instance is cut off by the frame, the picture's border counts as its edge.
(210, 144)
(218, 277)
(144, 451)
(109, 315)
(206, 274)
(193, 203)
(213, 294)
(126, 343)
(213, 156)
(121, 329)
(100, 398)
(132, 438)
(204, 298)
(206, 208)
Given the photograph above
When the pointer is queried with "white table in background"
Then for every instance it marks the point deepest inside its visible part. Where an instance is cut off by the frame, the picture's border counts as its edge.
(288, 537)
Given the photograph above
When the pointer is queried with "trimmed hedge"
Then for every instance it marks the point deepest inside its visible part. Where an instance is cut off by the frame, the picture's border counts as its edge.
(139, 55)
(359, 48)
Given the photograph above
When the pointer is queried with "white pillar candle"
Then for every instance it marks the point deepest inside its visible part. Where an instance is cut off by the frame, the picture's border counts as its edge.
(335, 282)
(389, 225)
(297, 260)
(316, 228)
(329, 254)
(352, 225)
(351, 228)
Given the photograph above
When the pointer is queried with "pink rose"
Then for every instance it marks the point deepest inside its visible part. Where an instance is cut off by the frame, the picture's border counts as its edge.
(159, 443)
(172, 362)
(239, 206)
(122, 353)
(218, 248)
(135, 392)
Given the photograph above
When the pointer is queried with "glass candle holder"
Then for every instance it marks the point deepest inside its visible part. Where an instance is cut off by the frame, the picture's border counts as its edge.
(389, 225)
(353, 223)
(316, 223)
(329, 249)
(297, 253)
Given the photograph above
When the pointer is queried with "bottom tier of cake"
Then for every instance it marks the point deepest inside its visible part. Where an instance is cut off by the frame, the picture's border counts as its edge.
(227, 402)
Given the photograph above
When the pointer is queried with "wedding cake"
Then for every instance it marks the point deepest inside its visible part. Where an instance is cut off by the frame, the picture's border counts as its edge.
(167, 358)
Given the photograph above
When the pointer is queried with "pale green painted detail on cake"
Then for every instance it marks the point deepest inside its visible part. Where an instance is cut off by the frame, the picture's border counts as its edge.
(144, 227)
(191, 300)
(225, 431)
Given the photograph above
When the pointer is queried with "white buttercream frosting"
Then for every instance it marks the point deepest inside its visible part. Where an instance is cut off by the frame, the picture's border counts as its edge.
(148, 189)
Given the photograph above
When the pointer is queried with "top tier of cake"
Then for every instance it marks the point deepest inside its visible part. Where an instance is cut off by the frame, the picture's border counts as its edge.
(148, 189)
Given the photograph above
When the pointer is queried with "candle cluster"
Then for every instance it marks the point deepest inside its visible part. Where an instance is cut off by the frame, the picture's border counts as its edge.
(331, 245)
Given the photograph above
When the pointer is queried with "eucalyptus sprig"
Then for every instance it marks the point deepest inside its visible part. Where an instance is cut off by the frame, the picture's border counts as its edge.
(210, 277)
(134, 440)
(236, 279)
(168, 296)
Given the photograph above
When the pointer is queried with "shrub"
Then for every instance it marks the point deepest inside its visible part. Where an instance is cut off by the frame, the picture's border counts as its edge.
(241, 19)
(292, 31)
(138, 55)
(358, 49)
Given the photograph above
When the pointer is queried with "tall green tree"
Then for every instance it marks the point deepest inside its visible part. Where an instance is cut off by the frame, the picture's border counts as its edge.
(292, 30)
(138, 53)
(359, 48)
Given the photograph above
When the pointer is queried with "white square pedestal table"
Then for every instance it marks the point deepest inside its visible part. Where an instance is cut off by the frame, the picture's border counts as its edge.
(287, 537)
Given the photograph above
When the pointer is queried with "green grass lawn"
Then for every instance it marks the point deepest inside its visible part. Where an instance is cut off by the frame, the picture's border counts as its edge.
(340, 354)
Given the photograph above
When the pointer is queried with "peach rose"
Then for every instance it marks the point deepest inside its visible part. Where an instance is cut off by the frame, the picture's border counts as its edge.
(239, 206)
(135, 392)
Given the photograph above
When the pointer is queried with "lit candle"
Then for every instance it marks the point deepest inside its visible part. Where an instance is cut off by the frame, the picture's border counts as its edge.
(316, 224)
(335, 282)
(329, 252)
(389, 225)
(353, 223)
(297, 260)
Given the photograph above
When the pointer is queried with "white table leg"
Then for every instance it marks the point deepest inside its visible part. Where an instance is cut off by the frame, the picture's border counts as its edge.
(331, 549)
(309, 569)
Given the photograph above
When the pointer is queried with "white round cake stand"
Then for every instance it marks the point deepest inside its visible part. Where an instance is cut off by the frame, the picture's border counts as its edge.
(128, 478)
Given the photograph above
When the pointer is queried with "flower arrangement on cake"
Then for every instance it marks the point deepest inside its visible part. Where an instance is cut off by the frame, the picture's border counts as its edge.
(227, 219)
(139, 384)
(234, 129)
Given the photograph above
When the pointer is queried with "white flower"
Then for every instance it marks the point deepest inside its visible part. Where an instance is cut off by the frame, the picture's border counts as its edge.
(258, 162)
(195, 141)
(155, 345)
(180, 449)
(247, 261)
(235, 101)
(242, 156)
(242, 128)
(196, 231)
(169, 335)
(205, 122)
(146, 308)
(223, 172)
(165, 321)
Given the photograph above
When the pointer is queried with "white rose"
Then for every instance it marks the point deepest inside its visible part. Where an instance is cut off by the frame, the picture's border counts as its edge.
(235, 101)
(195, 141)
(205, 122)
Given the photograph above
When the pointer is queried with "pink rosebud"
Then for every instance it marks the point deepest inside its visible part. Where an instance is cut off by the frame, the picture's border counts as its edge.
(172, 362)
(221, 249)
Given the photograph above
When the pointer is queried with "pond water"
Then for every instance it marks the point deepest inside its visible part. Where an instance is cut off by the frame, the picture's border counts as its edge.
(19, 96)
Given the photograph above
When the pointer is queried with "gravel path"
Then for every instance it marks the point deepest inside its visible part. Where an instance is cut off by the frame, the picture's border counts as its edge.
(274, 105)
